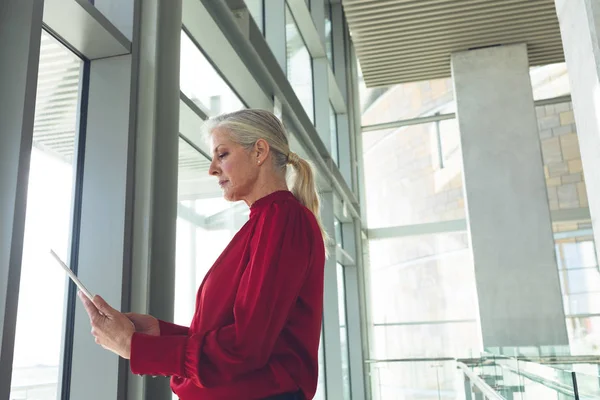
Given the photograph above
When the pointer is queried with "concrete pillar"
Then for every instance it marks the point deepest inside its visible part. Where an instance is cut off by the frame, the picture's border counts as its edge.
(156, 95)
(509, 223)
(20, 35)
(580, 29)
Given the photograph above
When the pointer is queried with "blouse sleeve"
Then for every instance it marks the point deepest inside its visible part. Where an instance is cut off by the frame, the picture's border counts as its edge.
(168, 329)
(269, 287)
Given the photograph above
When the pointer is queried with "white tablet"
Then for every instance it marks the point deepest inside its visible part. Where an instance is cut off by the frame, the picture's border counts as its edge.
(72, 275)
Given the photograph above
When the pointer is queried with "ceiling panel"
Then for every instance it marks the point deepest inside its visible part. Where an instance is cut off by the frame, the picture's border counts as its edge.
(400, 41)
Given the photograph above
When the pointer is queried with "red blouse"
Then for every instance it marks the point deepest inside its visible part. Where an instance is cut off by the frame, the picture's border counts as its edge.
(256, 329)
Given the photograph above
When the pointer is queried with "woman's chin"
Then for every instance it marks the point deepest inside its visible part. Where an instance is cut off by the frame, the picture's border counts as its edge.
(228, 196)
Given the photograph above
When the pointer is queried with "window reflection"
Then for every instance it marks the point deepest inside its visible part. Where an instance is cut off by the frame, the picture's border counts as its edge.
(202, 83)
(47, 225)
(299, 64)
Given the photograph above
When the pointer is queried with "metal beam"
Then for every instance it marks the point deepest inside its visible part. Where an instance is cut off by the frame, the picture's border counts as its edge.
(441, 117)
(458, 225)
(86, 29)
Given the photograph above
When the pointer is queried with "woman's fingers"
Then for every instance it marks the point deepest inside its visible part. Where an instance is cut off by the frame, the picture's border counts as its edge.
(103, 306)
(111, 329)
(91, 309)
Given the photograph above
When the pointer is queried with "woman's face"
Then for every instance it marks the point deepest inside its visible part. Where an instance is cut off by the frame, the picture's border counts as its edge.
(234, 167)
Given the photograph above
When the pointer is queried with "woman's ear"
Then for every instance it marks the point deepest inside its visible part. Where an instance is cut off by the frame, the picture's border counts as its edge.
(262, 149)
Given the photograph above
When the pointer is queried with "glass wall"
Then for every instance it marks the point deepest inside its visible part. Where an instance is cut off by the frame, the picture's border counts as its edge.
(421, 278)
(202, 84)
(424, 301)
(299, 64)
(419, 181)
(405, 101)
(49, 224)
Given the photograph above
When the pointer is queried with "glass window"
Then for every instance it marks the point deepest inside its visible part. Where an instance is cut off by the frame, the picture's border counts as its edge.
(404, 182)
(423, 297)
(201, 82)
(299, 64)
(343, 331)
(549, 81)
(580, 284)
(48, 224)
(405, 101)
(328, 33)
(334, 135)
(256, 9)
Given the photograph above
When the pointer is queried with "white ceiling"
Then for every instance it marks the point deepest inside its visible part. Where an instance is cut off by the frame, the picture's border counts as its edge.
(399, 41)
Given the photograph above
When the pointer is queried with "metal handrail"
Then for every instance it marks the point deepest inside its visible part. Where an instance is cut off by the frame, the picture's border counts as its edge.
(544, 360)
(483, 387)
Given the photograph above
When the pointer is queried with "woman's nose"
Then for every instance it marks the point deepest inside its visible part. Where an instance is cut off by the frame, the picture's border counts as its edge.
(212, 169)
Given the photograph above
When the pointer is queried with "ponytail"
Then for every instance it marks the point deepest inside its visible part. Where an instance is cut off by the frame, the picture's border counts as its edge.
(304, 188)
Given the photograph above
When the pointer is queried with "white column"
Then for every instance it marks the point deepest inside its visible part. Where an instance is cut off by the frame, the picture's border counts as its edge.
(580, 29)
(20, 35)
(508, 214)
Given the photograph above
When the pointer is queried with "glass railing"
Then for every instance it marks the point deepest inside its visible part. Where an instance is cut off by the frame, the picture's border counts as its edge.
(429, 379)
(490, 377)
(523, 379)
(426, 379)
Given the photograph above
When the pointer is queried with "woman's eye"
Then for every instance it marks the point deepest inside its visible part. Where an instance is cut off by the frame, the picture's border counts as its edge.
(222, 156)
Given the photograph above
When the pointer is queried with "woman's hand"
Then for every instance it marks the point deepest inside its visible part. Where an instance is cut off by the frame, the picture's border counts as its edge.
(144, 323)
(112, 329)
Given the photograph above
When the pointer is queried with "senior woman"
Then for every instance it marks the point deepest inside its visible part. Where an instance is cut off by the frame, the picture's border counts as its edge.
(256, 328)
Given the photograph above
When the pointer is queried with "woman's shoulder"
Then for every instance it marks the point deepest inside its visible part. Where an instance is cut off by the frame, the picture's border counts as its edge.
(287, 209)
